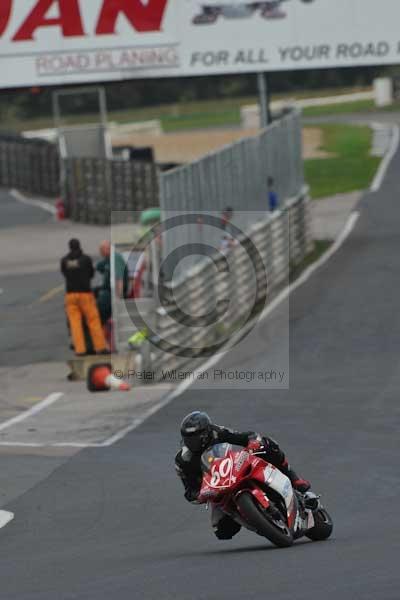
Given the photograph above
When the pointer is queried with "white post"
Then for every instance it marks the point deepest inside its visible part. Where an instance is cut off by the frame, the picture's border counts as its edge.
(383, 91)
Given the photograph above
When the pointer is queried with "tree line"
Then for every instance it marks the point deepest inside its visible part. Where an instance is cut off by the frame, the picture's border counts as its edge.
(37, 102)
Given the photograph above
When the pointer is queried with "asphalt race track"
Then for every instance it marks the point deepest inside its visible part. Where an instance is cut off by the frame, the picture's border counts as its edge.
(112, 523)
(16, 213)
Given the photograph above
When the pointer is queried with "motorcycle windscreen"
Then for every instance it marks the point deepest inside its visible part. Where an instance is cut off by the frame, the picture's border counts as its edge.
(218, 451)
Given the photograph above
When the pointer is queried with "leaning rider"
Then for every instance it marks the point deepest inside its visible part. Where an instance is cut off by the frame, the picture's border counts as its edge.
(199, 434)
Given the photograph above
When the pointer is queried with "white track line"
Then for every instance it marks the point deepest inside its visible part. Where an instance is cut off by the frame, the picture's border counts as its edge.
(32, 411)
(51, 444)
(108, 442)
(285, 293)
(5, 517)
(383, 167)
(17, 195)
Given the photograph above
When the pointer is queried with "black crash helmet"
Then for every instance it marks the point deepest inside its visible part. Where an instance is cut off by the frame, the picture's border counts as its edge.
(196, 431)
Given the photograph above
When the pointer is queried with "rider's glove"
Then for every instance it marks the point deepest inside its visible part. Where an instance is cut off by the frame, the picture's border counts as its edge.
(254, 445)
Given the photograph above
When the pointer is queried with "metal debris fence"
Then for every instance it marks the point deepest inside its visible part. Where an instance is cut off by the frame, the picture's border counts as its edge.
(237, 177)
(94, 188)
(29, 165)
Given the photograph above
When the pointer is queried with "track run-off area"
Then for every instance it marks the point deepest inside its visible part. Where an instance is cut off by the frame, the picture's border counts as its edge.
(112, 521)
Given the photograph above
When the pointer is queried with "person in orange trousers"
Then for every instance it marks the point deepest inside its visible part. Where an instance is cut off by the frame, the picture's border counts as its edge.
(80, 302)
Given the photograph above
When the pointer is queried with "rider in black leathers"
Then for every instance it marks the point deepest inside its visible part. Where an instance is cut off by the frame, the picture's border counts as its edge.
(198, 434)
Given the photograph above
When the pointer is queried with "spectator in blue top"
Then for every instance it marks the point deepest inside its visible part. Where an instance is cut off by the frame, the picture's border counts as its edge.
(272, 195)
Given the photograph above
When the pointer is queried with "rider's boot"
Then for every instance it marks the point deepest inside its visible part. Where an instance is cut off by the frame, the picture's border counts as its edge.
(298, 483)
(310, 500)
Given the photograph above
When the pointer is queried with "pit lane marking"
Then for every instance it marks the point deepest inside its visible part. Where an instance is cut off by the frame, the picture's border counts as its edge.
(17, 195)
(51, 399)
(51, 294)
(5, 517)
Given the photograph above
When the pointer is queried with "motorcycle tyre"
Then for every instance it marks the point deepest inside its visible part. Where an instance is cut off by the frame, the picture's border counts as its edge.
(323, 526)
(259, 520)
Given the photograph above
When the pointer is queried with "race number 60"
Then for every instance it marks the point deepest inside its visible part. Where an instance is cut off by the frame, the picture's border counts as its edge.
(221, 471)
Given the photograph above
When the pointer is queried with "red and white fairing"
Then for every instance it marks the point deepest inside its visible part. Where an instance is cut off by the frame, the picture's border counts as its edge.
(241, 471)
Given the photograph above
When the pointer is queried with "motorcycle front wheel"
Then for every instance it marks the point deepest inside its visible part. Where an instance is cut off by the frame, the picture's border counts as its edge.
(265, 524)
(323, 526)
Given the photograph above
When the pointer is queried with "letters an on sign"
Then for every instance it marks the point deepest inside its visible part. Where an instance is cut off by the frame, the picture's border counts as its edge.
(142, 17)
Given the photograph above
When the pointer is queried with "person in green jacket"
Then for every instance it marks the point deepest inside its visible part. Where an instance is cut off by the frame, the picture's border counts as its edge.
(121, 280)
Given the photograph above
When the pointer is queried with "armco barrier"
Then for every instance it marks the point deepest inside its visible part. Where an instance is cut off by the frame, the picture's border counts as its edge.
(282, 241)
(30, 165)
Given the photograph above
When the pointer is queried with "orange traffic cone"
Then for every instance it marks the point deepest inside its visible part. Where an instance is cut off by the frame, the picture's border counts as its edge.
(101, 379)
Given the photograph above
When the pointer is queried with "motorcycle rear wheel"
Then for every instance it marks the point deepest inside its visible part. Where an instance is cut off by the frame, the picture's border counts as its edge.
(278, 534)
(323, 526)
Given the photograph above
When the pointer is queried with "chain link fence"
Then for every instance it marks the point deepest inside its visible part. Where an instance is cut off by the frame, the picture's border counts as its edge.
(236, 177)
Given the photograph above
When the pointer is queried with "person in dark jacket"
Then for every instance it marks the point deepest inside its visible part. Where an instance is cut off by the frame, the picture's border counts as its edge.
(80, 302)
(199, 434)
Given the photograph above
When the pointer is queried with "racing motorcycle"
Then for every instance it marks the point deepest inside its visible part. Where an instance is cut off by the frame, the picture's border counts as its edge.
(211, 10)
(260, 497)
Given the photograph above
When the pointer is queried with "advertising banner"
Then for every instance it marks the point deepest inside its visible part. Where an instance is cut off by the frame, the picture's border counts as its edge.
(44, 42)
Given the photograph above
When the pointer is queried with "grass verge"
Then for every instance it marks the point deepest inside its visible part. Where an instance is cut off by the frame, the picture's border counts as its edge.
(351, 168)
(340, 109)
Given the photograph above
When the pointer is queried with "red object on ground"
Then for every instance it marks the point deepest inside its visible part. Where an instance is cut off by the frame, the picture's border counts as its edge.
(60, 208)
(101, 379)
